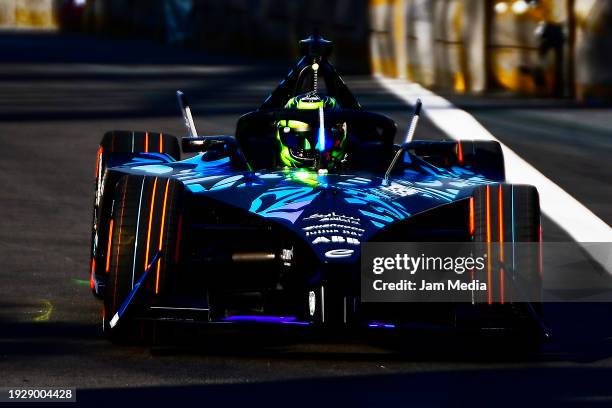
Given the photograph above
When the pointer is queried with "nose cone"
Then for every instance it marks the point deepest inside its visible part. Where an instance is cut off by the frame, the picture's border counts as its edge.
(333, 214)
(333, 235)
(341, 214)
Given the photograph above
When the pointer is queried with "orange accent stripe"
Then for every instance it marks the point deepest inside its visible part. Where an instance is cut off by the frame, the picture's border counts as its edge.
(459, 153)
(98, 158)
(500, 199)
(472, 222)
(108, 248)
(146, 264)
(540, 234)
(161, 143)
(178, 239)
(121, 223)
(146, 142)
(93, 271)
(501, 223)
(157, 276)
(161, 235)
(488, 210)
(116, 275)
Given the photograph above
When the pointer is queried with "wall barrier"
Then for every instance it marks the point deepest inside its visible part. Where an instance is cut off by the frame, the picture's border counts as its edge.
(593, 67)
(27, 14)
(547, 48)
(436, 43)
(249, 27)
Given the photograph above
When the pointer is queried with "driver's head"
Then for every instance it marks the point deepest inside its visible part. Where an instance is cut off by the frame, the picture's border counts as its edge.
(299, 140)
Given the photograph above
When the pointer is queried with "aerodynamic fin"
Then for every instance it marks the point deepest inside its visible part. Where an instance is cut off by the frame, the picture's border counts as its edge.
(186, 110)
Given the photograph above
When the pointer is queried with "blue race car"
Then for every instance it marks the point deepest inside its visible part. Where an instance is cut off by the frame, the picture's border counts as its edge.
(267, 226)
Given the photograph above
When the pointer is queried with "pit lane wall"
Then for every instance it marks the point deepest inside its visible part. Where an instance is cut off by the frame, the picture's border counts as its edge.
(593, 50)
(436, 43)
(247, 27)
(35, 14)
(554, 48)
(557, 48)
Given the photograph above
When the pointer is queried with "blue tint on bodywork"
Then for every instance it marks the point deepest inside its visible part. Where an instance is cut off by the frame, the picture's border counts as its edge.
(286, 203)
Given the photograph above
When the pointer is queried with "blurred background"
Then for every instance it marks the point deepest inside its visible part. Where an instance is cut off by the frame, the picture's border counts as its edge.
(550, 48)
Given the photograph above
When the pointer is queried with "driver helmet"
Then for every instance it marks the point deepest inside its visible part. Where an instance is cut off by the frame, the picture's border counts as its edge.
(298, 140)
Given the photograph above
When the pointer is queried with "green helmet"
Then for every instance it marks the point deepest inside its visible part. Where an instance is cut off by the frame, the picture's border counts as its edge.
(300, 144)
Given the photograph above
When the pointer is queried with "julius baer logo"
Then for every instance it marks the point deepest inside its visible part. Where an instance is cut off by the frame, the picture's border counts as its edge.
(423, 273)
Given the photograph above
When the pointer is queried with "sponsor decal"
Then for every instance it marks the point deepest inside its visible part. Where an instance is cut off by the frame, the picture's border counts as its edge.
(312, 302)
(287, 256)
(334, 217)
(334, 228)
(336, 239)
(339, 253)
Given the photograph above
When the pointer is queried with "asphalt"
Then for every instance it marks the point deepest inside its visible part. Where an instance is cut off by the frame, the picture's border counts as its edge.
(59, 94)
(568, 142)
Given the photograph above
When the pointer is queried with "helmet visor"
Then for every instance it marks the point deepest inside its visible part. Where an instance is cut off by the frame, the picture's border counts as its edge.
(302, 141)
(296, 135)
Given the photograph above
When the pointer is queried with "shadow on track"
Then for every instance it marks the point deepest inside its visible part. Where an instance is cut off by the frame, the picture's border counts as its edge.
(491, 387)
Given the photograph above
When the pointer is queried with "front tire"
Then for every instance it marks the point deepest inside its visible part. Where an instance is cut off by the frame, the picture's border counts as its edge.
(117, 147)
(144, 225)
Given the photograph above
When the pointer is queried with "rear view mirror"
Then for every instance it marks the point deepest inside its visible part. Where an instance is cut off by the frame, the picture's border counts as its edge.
(197, 144)
(215, 147)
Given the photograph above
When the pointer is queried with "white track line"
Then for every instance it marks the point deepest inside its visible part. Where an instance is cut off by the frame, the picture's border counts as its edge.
(571, 215)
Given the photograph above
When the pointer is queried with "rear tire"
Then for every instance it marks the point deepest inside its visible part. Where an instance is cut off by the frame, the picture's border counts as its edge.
(510, 214)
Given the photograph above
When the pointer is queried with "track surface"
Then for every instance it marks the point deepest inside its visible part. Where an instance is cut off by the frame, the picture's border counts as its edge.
(59, 94)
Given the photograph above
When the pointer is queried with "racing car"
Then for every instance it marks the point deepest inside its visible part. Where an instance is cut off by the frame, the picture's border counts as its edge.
(265, 227)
